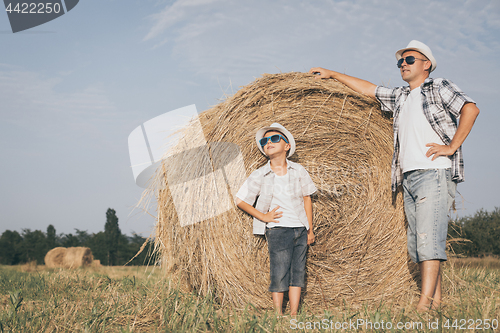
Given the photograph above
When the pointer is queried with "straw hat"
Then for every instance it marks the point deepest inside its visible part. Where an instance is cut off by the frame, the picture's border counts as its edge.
(415, 45)
(279, 128)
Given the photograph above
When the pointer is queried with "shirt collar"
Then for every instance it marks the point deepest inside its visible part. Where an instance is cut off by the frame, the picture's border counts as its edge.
(427, 83)
(423, 87)
(268, 170)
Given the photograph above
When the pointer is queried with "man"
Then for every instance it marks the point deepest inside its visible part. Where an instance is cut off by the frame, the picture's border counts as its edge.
(427, 157)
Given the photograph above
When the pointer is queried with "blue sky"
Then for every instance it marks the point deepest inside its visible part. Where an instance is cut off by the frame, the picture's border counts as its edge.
(73, 89)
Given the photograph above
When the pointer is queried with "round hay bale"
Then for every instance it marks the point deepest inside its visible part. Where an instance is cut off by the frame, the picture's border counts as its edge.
(78, 257)
(345, 143)
(71, 257)
(55, 257)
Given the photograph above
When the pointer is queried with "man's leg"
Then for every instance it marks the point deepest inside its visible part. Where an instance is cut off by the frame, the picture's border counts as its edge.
(436, 302)
(428, 197)
(431, 285)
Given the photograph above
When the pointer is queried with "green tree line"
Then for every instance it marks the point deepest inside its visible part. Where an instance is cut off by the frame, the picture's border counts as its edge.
(480, 234)
(110, 246)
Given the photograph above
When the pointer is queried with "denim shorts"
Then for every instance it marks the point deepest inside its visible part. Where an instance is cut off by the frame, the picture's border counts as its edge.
(287, 257)
(428, 196)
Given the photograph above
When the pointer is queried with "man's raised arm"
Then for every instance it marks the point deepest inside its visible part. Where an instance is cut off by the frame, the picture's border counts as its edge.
(358, 85)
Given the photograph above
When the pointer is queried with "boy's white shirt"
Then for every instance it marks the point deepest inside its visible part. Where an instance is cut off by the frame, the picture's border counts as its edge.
(261, 184)
(282, 197)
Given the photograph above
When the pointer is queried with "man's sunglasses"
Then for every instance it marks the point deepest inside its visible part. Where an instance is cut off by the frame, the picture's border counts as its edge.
(410, 60)
(275, 138)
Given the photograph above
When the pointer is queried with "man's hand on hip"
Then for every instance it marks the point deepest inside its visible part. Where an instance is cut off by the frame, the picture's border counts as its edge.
(438, 150)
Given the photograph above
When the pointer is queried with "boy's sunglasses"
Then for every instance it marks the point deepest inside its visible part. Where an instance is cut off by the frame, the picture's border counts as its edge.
(410, 60)
(274, 139)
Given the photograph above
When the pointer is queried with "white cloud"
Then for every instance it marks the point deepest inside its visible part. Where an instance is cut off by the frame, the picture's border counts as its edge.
(173, 14)
(224, 38)
(36, 103)
(234, 41)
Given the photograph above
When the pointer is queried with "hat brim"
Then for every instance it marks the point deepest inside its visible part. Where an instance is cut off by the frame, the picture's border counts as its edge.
(429, 56)
(260, 134)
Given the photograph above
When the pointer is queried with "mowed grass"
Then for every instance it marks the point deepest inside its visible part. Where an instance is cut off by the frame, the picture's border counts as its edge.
(142, 299)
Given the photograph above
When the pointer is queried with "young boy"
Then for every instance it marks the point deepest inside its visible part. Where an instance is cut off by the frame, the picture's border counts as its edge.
(285, 185)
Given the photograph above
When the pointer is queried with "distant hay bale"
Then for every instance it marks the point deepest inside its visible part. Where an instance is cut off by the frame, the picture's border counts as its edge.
(71, 257)
(78, 257)
(344, 141)
(55, 257)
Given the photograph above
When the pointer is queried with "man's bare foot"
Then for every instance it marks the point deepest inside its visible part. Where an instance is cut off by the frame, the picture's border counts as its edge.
(435, 305)
(421, 308)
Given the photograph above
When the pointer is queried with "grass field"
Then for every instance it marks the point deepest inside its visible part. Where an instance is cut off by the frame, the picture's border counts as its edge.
(141, 299)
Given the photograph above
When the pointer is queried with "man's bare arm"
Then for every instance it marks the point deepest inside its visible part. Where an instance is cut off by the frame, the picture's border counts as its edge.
(356, 84)
(468, 116)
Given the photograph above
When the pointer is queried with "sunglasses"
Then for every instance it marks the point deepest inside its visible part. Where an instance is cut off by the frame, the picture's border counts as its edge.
(274, 139)
(410, 60)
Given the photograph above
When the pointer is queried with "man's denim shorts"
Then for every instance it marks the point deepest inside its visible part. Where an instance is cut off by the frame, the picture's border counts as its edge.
(428, 196)
(287, 257)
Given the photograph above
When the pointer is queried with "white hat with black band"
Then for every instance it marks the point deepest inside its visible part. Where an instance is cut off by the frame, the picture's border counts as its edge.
(415, 45)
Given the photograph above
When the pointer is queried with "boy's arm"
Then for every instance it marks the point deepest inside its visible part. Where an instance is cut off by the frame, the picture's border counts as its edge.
(359, 85)
(309, 213)
(268, 217)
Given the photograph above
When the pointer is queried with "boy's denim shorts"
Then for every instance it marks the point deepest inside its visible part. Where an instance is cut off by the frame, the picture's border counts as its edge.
(287, 257)
(428, 196)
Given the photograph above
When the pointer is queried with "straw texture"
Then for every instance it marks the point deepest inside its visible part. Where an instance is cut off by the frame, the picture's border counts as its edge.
(345, 143)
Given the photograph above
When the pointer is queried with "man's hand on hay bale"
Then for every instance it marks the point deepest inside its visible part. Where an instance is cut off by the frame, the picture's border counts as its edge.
(358, 85)
(322, 73)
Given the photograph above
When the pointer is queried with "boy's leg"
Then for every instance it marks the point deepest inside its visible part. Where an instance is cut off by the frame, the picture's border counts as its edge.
(294, 297)
(278, 301)
(280, 245)
(297, 269)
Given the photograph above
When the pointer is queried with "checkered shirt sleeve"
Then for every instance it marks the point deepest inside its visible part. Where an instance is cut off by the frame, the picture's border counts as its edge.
(388, 98)
(307, 185)
(250, 189)
(442, 106)
(442, 103)
(448, 101)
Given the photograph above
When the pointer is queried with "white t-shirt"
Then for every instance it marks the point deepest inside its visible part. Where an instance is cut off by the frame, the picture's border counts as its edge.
(414, 133)
(282, 196)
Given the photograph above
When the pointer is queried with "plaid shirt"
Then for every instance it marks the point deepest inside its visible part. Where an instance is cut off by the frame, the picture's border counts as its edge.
(442, 102)
(261, 184)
